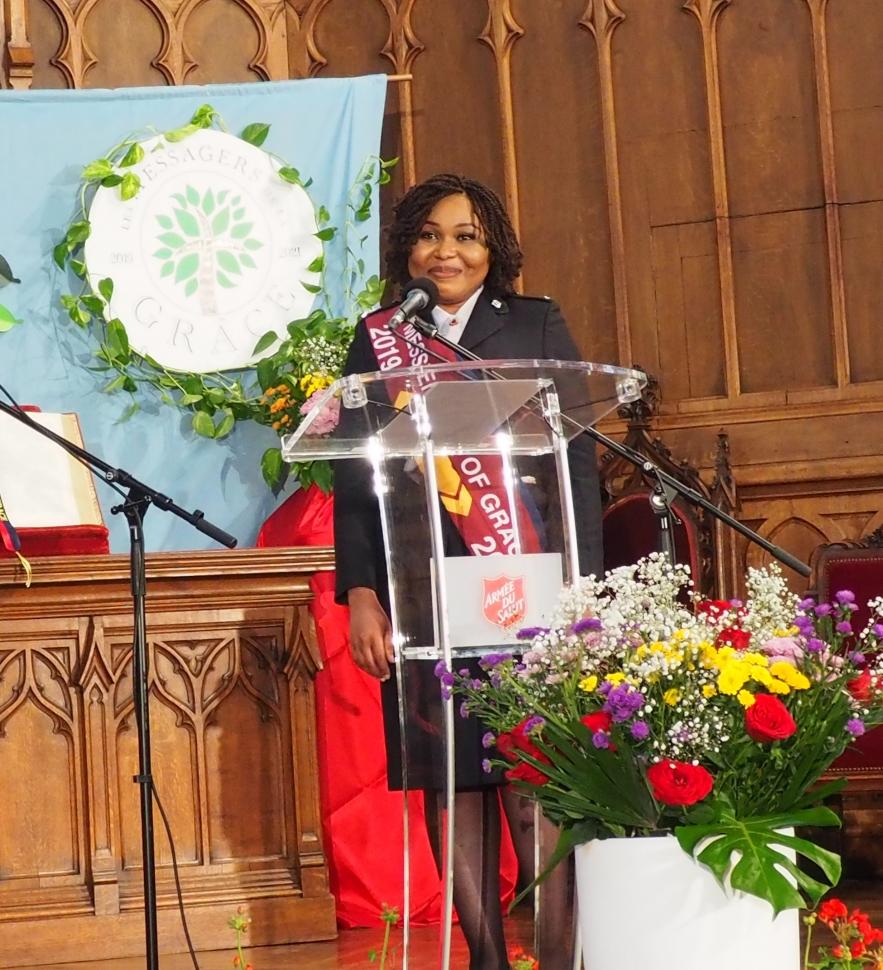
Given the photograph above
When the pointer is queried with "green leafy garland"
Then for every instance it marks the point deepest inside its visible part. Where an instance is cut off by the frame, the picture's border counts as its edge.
(273, 392)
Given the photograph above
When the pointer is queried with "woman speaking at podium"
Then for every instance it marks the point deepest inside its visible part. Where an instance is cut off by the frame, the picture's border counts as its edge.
(455, 232)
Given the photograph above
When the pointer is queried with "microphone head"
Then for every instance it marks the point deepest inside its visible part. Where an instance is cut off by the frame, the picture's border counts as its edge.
(424, 285)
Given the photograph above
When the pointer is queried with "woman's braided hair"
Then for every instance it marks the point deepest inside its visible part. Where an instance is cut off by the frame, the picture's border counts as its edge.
(414, 208)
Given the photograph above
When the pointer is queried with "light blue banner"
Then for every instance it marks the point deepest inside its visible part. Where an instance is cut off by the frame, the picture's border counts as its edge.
(324, 128)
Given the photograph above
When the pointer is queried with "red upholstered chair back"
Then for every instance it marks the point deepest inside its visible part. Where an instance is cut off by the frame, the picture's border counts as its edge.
(631, 530)
(859, 569)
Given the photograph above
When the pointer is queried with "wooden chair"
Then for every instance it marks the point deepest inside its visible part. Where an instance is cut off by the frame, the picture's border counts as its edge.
(631, 528)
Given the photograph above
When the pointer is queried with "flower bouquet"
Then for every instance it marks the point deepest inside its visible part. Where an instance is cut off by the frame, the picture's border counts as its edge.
(643, 710)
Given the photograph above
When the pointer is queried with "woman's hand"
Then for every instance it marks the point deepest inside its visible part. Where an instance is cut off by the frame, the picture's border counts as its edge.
(370, 633)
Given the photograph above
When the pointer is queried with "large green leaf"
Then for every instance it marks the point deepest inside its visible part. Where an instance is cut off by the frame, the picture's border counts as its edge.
(749, 853)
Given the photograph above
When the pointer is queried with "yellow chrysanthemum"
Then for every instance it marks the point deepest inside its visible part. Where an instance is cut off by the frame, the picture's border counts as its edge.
(709, 690)
(790, 675)
(745, 698)
(615, 678)
(755, 659)
(310, 383)
(671, 696)
(588, 684)
(761, 675)
(733, 678)
(778, 686)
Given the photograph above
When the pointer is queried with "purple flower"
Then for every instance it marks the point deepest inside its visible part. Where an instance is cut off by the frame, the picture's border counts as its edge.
(806, 604)
(463, 671)
(640, 730)
(844, 626)
(464, 709)
(529, 632)
(877, 630)
(446, 693)
(486, 766)
(496, 678)
(823, 609)
(814, 645)
(804, 624)
(601, 739)
(585, 624)
(448, 679)
(855, 727)
(858, 658)
(487, 739)
(623, 701)
(441, 668)
(491, 660)
(845, 596)
(604, 688)
(533, 723)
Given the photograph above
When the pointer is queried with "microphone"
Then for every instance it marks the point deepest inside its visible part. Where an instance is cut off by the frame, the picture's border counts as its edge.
(419, 294)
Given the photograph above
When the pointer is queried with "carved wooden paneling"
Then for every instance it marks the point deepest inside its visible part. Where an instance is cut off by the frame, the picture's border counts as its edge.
(231, 667)
(500, 33)
(601, 18)
(456, 95)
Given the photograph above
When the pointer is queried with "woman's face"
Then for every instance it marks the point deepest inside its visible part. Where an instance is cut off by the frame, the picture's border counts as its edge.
(451, 251)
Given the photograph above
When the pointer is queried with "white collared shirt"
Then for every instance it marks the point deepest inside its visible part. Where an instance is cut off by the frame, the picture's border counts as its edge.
(442, 318)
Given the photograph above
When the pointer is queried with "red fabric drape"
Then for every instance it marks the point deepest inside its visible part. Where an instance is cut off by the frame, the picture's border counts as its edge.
(362, 820)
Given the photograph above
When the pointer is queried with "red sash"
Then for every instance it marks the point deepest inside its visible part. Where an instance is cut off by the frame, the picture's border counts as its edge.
(471, 487)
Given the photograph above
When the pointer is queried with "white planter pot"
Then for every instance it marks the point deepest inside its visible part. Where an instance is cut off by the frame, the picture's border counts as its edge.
(644, 903)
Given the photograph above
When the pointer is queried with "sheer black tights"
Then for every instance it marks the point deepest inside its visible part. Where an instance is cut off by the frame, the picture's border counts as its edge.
(476, 860)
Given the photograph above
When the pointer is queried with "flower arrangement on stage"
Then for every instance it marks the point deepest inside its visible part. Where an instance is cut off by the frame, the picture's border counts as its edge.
(640, 712)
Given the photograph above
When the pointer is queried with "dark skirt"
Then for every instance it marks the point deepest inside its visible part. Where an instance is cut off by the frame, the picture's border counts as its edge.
(425, 733)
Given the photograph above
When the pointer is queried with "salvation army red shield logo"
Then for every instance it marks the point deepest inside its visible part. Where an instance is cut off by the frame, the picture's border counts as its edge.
(503, 602)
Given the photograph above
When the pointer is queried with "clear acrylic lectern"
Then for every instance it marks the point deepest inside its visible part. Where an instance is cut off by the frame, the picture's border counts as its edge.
(469, 463)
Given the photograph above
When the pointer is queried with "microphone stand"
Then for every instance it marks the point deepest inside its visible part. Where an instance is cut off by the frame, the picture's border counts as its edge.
(137, 500)
(666, 487)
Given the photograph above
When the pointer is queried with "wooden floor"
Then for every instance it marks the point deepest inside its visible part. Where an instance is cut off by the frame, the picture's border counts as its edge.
(351, 950)
(353, 947)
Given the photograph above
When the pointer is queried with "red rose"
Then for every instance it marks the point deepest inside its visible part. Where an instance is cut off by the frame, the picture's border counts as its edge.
(860, 687)
(511, 743)
(713, 608)
(734, 637)
(768, 719)
(599, 721)
(679, 783)
(527, 773)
